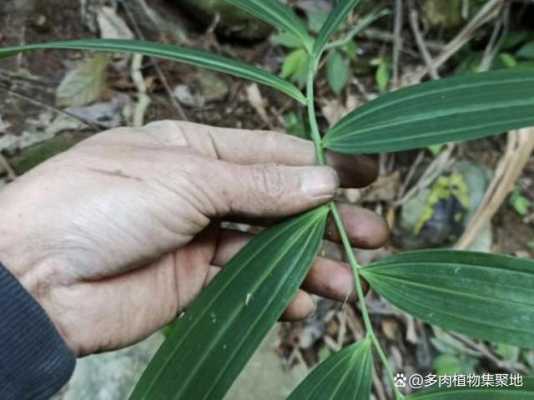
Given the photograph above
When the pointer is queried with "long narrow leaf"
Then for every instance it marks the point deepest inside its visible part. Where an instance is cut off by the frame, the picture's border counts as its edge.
(210, 345)
(481, 295)
(455, 109)
(278, 15)
(344, 376)
(188, 56)
(517, 391)
(335, 19)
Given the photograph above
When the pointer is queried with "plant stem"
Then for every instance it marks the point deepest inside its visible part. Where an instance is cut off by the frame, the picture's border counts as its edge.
(361, 297)
(361, 25)
(319, 150)
(312, 116)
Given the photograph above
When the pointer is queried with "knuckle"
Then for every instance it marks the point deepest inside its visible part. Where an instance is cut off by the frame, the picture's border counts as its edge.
(269, 181)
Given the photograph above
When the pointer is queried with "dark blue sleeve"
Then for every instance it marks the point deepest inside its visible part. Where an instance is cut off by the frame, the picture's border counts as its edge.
(35, 362)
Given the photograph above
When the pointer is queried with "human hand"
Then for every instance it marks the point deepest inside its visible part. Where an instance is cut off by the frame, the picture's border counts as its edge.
(119, 234)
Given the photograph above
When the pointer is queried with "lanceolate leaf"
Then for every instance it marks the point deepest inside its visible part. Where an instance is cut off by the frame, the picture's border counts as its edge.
(460, 108)
(481, 295)
(277, 14)
(344, 376)
(516, 391)
(337, 71)
(210, 345)
(189, 56)
(335, 19)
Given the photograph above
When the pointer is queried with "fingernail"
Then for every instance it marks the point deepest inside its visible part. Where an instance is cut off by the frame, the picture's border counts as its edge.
(319, 182)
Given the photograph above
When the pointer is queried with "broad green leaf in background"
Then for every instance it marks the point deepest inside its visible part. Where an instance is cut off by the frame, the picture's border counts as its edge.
(507, 60)
(382, 75)
(481, 295)
(343, 376)
(188, 56)
(520, 202)
(277, 14)
(459, 108)
(524, 392)
(337, 71)
(295, 66)
(317, 16)
(335, 19)
(449, 364)
(212, 342)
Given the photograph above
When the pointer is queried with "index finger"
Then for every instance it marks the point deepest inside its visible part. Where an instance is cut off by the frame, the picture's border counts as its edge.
(242, 146)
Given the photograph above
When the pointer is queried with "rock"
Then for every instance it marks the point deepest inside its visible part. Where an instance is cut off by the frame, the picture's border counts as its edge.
(212, 86)
(437, 215)
(111, 376)
(234, 22)
(266, 376)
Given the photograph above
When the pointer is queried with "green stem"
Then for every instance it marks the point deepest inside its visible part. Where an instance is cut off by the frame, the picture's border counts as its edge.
(312, 117)
(319, 150)
(362, 24)
(361, 297)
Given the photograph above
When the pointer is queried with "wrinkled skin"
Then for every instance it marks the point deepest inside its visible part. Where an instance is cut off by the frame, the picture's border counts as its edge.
(119, 234)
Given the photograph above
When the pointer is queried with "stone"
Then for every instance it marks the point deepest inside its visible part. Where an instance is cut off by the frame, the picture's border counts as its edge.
(110, 376)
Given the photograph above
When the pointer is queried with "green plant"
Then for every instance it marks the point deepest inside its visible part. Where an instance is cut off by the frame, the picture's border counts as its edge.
(519, 202)
(340, 52)
(481, 295)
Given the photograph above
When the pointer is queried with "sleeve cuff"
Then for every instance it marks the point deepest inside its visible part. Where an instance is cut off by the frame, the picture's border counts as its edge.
(35, 362)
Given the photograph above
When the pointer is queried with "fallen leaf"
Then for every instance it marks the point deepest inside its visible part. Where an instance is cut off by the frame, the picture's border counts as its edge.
(384, 189)
(84, 84)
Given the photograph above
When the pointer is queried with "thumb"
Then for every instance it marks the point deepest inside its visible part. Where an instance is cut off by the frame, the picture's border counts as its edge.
(267, 190)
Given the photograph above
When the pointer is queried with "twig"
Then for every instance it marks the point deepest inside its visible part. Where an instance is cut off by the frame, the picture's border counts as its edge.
(497, 36)
(143, 100)
(96, 127)
(484, 15)
(14, 75)
(411, 173)
(519, 147)
(383, 36)
(179, 110)
(397, 41)
(379, 389)
(4, 164)
(485, 352)
(420, 41)
(435, 169)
